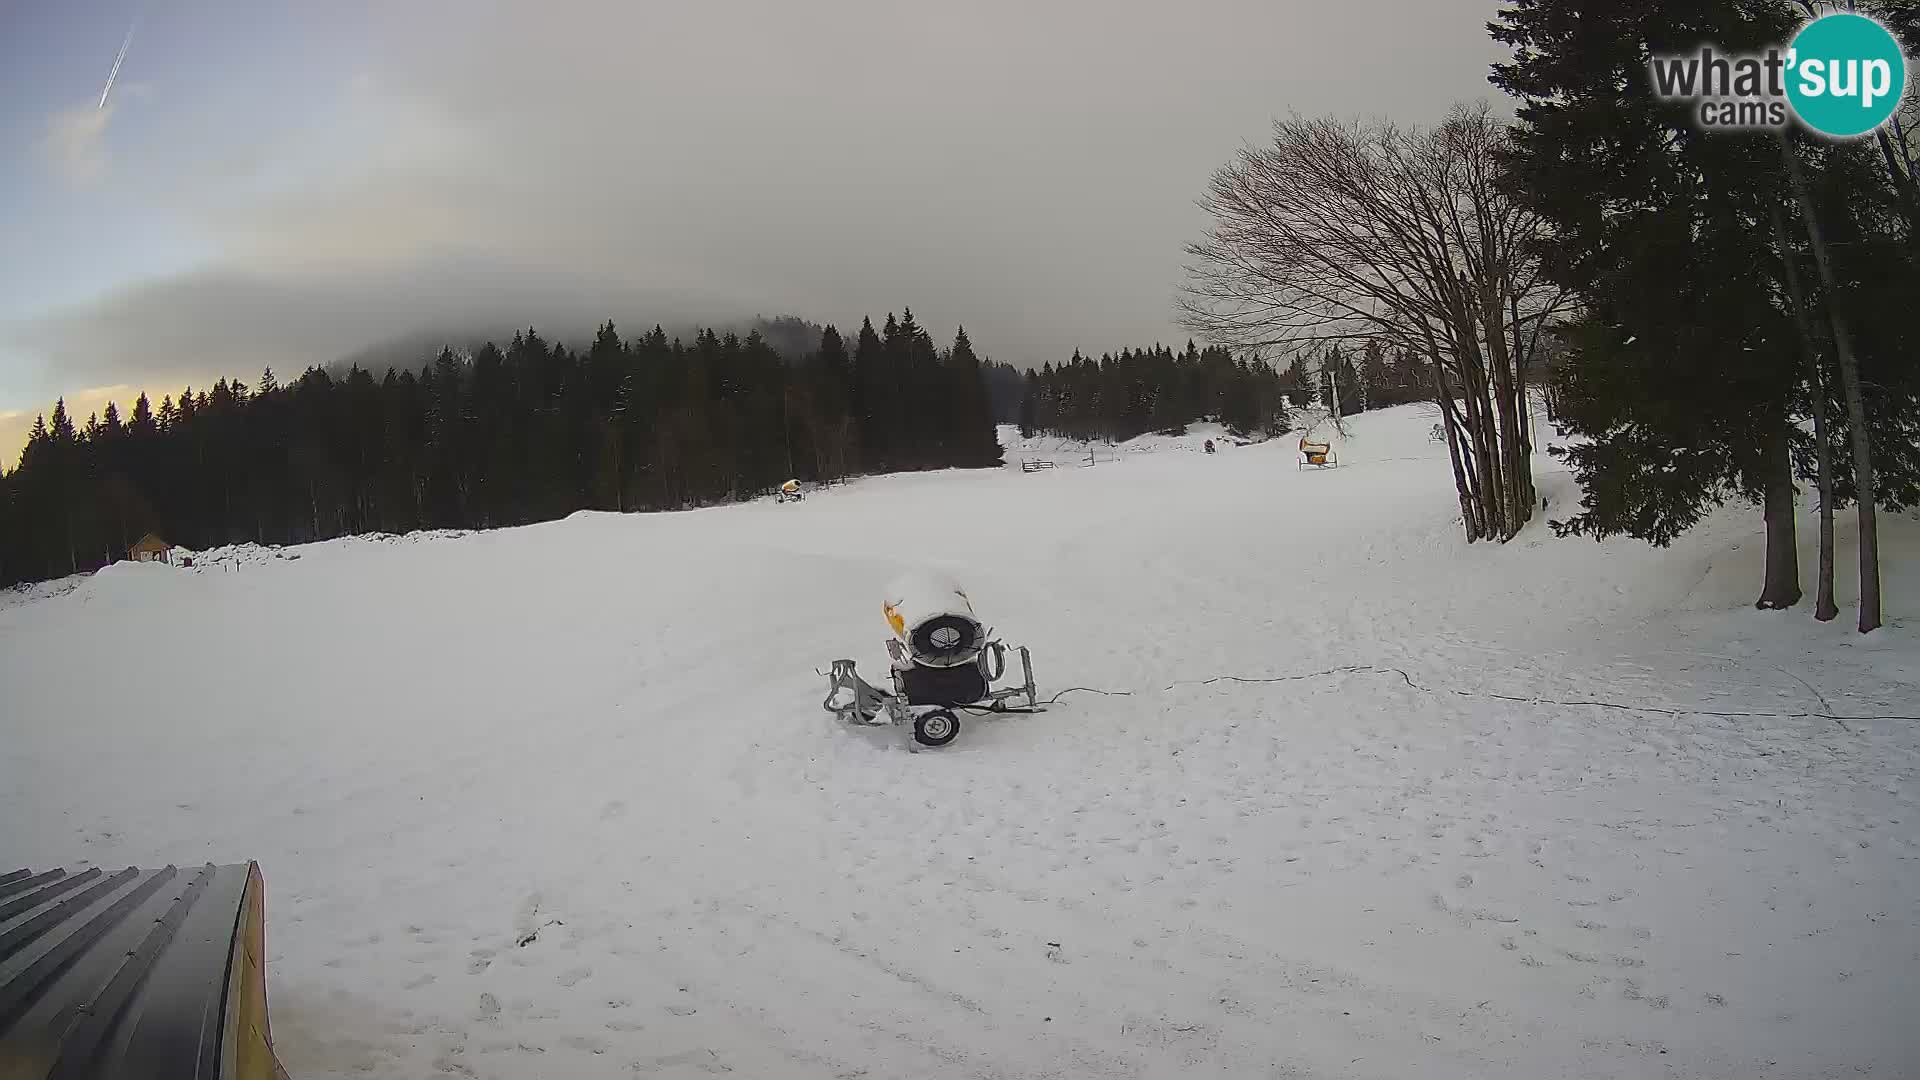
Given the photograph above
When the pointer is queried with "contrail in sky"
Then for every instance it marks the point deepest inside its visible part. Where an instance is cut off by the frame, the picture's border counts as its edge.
(115, 73)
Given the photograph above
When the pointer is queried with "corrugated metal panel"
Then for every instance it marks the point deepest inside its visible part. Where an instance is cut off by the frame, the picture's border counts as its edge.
(122, 974)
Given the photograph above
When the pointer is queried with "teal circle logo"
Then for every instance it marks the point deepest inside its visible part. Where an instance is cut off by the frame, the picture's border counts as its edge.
(1845, 74)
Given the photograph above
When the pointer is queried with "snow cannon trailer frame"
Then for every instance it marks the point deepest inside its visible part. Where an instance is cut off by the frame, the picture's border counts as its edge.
(135, 973)
(930, 698)
(945, 661)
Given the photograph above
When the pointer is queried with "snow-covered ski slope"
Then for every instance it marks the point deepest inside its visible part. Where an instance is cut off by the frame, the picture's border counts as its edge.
(559, 801)
(1066, 451)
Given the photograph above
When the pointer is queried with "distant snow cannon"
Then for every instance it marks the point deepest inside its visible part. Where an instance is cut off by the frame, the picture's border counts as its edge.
(944, 659)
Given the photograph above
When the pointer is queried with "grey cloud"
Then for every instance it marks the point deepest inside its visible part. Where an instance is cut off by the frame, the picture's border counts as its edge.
(234, 323)
(1026, 168)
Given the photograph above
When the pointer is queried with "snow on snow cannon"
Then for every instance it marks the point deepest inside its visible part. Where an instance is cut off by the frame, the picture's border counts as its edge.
(944, 659)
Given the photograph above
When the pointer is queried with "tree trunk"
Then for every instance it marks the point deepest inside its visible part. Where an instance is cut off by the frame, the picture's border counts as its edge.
(1906, 157)
(1516, 495)
(1469, 519)
(619, 473)
(1520, 360)
(1522, 356)
(1465, 473)
(1782, 586)
(1503, 360)
(1333, 398)
(1824, 609)
(1856, 407)
(1472, 515)
(1483, 416)
(786, 428)
(1485, 455)
(1903, 184)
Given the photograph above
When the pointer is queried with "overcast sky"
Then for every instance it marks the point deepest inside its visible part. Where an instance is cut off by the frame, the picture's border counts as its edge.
(286, 183)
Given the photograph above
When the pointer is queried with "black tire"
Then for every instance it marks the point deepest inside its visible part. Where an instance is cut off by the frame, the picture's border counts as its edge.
(936, 728)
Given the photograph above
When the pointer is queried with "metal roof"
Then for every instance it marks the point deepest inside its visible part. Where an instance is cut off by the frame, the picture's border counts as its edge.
(118, 973)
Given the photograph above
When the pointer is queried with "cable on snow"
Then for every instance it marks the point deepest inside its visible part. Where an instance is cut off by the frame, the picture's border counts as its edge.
(1667, 710)
(1371, 669)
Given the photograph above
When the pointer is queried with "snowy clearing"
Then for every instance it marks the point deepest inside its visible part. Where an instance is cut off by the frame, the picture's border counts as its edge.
(1067, 451)
(560, 801)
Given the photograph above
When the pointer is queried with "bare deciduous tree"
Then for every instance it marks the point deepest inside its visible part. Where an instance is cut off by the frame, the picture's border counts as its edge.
(1350, 231)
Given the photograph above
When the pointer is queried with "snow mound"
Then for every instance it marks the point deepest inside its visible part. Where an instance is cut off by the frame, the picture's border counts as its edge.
(15, 595)
(133, 586)
(239, 556)
(229, 556)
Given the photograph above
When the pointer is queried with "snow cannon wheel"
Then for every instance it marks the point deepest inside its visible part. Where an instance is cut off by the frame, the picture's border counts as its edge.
(936, 728)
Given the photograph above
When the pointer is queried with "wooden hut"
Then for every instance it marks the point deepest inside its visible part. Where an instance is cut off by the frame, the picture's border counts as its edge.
(151, 549)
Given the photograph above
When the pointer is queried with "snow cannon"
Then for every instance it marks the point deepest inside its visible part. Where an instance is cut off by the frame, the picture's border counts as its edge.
(945, 661)
(933, 621)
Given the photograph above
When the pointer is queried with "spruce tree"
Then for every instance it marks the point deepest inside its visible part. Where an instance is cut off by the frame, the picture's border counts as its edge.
(62, 427)
(1030, 407)
(969, 419)
(1300, 385)
(834, 431)
(1352, 400)
(1683, 377)
(531, 432)
(874, 397)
